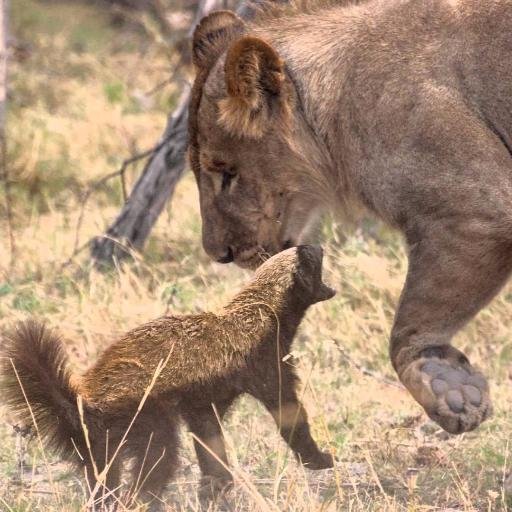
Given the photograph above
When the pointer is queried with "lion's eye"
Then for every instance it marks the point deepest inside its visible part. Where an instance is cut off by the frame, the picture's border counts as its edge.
(226, 174)
(226, 180)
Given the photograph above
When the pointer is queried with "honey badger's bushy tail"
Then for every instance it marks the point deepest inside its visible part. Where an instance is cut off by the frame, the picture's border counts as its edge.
(34, 370)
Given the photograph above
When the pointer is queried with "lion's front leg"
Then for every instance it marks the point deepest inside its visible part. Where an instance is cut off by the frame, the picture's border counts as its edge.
(450, 389)
(451, 276)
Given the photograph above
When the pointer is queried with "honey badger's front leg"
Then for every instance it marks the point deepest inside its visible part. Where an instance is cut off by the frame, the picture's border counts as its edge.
(454, 270)
(279, 396)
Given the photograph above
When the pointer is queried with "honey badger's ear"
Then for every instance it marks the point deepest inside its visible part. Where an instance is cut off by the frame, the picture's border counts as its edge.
(254, 82)
(213, 35)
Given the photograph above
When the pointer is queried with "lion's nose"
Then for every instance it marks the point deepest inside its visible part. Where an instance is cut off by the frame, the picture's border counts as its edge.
(227, 258)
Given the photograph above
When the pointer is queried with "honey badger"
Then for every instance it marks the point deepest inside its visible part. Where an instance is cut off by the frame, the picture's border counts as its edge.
(205, 361)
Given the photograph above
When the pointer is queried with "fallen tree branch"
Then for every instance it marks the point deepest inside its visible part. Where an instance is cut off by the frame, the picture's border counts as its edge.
(150, 193)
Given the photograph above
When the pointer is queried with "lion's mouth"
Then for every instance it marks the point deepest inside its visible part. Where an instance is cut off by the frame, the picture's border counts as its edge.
(251, 258)
(287, 244)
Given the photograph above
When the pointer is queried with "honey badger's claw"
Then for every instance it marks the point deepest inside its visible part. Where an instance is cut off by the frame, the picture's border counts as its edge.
(452, 392)
(211, 487)
(321, 460)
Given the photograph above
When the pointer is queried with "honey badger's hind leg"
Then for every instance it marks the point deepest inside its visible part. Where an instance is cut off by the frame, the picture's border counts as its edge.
(107, 492)
(153, 444)
(107, 488)
(203, 422)
(453, 272)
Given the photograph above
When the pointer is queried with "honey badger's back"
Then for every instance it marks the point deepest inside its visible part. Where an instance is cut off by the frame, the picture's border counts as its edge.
(197, 348)
(176, 347)
(178, 351)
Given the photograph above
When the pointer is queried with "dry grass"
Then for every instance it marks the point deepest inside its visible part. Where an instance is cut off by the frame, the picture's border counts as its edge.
(77, 110)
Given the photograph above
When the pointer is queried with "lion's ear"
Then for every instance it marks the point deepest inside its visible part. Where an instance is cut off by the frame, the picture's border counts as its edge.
(254, 83)
(213, 35)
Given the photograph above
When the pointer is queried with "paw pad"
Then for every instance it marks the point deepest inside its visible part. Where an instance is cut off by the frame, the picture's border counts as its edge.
(473, 395)
(457, 384)
(455, 400)
(453, 394)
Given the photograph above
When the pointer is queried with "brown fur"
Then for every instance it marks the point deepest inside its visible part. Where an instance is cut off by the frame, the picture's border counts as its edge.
(403, 107)
(253, 71)
(208, 361)
(211, 36)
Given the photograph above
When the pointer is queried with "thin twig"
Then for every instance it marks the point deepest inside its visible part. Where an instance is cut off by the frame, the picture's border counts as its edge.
(139, 476)
(38, 433)
(120, 172)
(160, 85)
(148, 474)
(176, 76)
(365, 371)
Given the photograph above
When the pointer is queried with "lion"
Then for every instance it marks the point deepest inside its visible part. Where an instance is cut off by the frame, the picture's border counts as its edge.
(190, 367)
(401, 107)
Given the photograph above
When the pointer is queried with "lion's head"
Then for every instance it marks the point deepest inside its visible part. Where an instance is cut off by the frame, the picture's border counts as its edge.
(248, 141)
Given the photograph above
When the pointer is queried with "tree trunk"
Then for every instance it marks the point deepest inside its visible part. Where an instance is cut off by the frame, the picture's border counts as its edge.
(159, 177)
(3, 64)
(4, 173)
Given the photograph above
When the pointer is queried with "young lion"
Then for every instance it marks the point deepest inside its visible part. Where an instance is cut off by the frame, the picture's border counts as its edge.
(205, 362)
(403, 107)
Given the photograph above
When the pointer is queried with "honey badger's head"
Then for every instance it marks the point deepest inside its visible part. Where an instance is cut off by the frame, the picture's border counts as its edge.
(299, 268)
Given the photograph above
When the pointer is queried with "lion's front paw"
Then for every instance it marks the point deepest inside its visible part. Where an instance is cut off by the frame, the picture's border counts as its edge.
(321, 460)
(451, 391)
